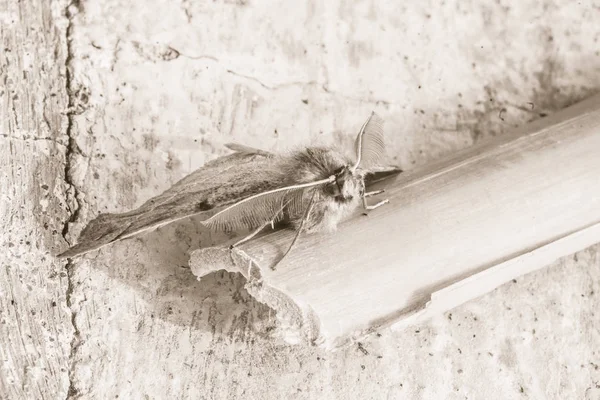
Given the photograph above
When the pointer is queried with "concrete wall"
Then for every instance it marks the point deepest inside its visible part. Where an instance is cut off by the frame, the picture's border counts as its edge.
(104, 104)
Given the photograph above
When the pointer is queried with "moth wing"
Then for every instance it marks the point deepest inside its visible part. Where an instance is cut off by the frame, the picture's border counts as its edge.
(370, 143)
(240, 148)
(218, 183)
(261, 208)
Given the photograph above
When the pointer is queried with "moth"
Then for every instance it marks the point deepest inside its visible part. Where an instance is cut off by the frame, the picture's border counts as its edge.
(311, 190)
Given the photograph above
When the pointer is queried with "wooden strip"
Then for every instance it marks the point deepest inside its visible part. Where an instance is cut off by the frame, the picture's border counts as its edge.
(532, 192)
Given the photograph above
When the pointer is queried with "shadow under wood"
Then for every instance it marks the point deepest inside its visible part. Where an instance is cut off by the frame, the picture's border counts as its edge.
(155, 265)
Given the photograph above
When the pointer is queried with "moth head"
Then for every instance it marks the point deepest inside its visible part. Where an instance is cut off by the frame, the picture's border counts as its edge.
(346, 185)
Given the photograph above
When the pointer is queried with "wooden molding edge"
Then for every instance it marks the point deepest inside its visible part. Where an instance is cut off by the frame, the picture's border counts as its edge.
(489, 279)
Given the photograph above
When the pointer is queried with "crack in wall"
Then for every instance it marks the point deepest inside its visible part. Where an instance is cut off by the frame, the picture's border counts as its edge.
(269, 87)
(169, 53)
(15, 115)
(27, 138)
(178, 54)
(360, 100)
(72, 192)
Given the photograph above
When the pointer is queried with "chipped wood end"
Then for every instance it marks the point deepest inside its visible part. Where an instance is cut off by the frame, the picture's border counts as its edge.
(297, 322)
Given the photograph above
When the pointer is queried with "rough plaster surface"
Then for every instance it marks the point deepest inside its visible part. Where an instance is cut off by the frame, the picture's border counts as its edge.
(106, 103)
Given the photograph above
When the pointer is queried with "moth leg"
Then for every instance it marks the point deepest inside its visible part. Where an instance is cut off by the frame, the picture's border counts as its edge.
(375, 193)
(304, 218)
(366, 206)
(374, 206)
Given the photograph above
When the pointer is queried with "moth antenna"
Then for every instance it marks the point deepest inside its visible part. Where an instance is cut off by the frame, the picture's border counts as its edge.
(259, 208)
(370, 142)
(263, 226)
(304, 218)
